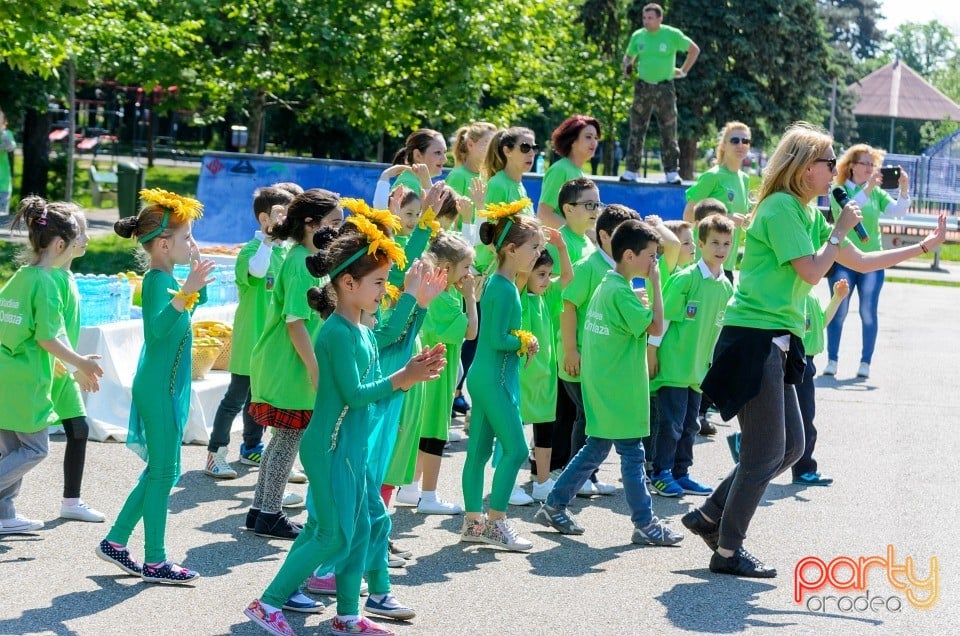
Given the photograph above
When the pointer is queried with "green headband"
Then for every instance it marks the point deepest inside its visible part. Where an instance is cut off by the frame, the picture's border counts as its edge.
(503, 235)
(347, 263)
(157, 232)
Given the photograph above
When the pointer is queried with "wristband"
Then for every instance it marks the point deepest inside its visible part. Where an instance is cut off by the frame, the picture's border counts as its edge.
(924, 248)
(189, 300)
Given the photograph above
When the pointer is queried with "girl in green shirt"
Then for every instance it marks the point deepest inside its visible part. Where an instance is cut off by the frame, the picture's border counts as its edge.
(161, 386)
(344, 500)
(575, 141)
(494, 381)
(469, 149)
(31, 333)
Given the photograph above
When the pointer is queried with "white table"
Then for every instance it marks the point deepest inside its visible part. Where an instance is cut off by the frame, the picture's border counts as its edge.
(119, 344)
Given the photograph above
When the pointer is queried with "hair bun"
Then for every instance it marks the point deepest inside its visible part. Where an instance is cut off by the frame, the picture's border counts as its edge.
(323, 237)
(127, 226)
(487, 233)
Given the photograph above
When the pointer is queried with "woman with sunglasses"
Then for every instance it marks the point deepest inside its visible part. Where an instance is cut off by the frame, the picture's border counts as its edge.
(728, 183)
(858, 172)
(759, 355)
(575, 140)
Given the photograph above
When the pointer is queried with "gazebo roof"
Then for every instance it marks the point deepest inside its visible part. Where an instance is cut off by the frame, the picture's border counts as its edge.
(896, 91)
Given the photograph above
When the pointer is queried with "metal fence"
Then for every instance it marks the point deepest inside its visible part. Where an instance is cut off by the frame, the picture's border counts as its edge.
(934, 175)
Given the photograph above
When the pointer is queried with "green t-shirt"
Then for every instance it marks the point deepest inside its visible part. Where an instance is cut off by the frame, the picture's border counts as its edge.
(587, 274)
(731, 188)
(6, 184)
(540, 315)
(29, 312)
(877, 202)
(500, 189)
(616, 392)
(556, 175)
(65, 392)
(694, 302)
(814, 325)
(254, 300)
(407, 178)
(771, 293)
(459, 179)
(656, 53)
(277, 374)
(579, 247)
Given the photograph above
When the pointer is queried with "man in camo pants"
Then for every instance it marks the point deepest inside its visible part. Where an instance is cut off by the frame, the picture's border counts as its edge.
(652, 53)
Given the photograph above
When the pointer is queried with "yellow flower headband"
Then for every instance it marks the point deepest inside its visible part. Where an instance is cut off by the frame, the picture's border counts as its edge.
(182, 209)
(378, 242)
(382, 217)
(496, 211)
(429, 220)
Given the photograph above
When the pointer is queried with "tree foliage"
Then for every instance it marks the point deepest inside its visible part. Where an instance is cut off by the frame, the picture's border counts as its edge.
(926, 48)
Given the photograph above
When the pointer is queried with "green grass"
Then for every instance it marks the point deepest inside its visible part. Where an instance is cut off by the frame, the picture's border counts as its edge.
(948, 252)
(921, 281)
(105, 255)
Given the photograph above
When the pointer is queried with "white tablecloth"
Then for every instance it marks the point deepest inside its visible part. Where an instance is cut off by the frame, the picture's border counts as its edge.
(119, 344)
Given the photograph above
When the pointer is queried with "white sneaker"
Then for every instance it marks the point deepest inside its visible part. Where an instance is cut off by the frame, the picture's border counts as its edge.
(540, 491)
(291, 500)
(408, 495)
(218, 466)
(673, 177)
(831, 368)
(520, 498)
(604, 489)
(296, 477)
(19, 524)
(501, 533)
(438, 507)
(864, 370)
(588, 490)
(630, 177)
(454, 435)
(81, 512)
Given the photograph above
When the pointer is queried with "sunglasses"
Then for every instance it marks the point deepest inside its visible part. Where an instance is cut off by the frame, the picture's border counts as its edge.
(831, 163)
(740, 140)
(590, 206)
(525, 147)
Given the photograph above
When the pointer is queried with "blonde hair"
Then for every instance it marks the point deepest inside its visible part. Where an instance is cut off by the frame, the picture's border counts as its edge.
(802, 143)
(845, 163)
(473, 132)
(722, 139)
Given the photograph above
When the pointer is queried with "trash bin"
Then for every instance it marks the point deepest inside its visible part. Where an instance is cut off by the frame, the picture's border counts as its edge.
(131, 179)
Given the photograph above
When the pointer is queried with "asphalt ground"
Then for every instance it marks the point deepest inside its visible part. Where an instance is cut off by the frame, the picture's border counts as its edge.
(890, 442)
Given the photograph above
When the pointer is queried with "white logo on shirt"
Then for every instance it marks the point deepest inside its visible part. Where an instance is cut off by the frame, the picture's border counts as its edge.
(663, 48)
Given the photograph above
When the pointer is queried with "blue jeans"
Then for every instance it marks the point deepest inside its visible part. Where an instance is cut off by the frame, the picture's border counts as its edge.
(588, 460)
(674, 411)
(868, 288)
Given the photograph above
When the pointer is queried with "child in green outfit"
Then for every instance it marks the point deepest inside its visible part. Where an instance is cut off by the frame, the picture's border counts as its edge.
(161, 386)
(694, 300)
(614, 350)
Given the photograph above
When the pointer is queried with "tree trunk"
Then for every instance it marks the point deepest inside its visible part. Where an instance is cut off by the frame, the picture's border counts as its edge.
(151, 152)
(71, 129)
(258, 106)
(36, 153)
(688, 154)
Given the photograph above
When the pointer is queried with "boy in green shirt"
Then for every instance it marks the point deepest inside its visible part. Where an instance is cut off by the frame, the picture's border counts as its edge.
(618, 415)
(694, 302)
(256, 270)
(579, 202)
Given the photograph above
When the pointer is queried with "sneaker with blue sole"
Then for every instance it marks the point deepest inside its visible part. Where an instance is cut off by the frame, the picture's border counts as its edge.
(251, 456)
(692, 487)
(812, 479)
(388, 606)
(300, 602)
(663, 484)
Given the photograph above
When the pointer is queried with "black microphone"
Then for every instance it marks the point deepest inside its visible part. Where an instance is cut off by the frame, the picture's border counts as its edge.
(840, 195)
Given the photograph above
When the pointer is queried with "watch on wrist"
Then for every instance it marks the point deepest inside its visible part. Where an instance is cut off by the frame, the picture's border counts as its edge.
(834, 240)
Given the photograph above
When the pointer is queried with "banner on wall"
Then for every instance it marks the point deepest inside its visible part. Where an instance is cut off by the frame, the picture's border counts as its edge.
(228, 181)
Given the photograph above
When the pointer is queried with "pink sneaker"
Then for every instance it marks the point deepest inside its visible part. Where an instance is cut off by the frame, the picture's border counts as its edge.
(273, 622)
(362, 625)
(327, 585)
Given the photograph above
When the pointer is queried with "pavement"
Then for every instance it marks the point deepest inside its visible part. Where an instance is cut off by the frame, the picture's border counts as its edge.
(890, 442)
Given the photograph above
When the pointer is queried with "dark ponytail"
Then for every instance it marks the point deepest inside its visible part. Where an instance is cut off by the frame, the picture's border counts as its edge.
(418, 140)
(46, 221)
(309, 208)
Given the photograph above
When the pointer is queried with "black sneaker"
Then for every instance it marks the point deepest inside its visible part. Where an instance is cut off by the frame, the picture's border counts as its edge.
(120, 558)
(275, 525)
(251, 521)
(706, 428)
(695, 522)
(558, 519)
(742, 563)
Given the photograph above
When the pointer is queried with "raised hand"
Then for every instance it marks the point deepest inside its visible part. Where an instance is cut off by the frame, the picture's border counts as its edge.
(435, 195)
(422, 172)
(841, 288)
(200, 275)
(433, 283)
(478, 192)
(413, 278)
(467, 287)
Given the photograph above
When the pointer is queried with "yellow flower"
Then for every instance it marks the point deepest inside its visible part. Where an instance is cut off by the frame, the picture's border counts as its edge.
(496, 211)
(526, 339)
(393, 292)
(381, 217)
(181, 208)
(428, 220)
(379, 242)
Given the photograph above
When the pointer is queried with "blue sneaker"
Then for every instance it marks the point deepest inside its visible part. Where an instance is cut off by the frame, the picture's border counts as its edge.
(251, 456)
(663, 484)
(300, 602)
(460, 405)
(691, 487)
(812, 479)
(388, 605)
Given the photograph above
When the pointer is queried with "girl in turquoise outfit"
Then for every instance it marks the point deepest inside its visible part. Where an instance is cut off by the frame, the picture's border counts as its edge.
(342, 499)
(494, 378)
(31, 333)
(161, 386)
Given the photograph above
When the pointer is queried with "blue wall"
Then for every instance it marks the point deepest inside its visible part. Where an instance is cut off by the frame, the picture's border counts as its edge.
(228, 181)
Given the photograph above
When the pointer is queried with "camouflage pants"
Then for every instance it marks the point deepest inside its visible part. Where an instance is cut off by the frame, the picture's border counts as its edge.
(647, 98)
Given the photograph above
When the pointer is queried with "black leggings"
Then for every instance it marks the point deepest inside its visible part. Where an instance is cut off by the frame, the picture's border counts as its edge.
(75, 455)
(543, 435)
(432, 446)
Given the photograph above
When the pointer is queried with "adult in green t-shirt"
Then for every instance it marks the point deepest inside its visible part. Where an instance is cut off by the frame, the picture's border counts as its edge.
(651, 54)
(858, 172)
(759, 354)
(727, 183)
(575, 141)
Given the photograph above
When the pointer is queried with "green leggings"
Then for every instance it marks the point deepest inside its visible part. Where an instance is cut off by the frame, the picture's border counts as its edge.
(150, 498)
(493, 416)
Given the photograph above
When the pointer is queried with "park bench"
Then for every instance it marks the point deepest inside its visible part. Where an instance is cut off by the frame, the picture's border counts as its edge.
(103, 184)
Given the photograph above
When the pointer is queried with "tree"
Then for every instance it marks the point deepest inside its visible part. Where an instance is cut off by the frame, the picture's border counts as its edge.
(924, 47)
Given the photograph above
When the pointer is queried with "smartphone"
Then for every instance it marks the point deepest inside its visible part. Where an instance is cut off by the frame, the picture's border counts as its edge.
(890, 176)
